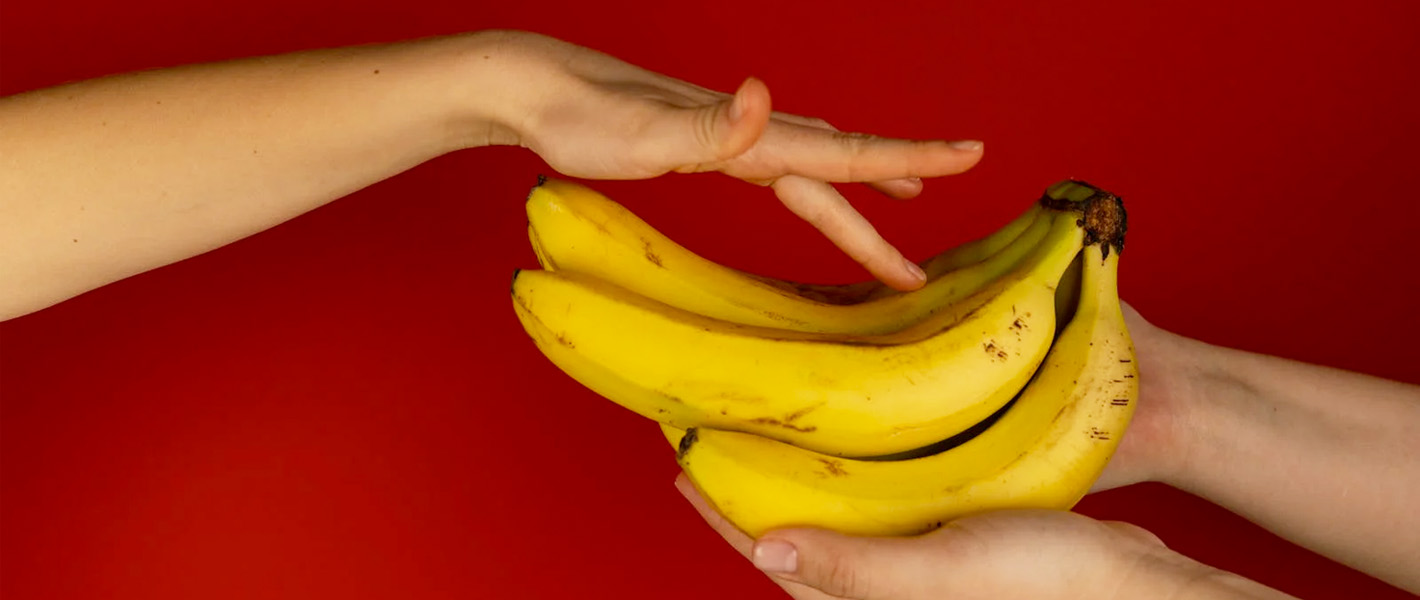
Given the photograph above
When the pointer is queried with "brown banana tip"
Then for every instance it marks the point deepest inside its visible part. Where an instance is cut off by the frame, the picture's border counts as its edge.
(514, 282)
(1106, 222)
(541, 179)
(1102, 213)
(686, 441)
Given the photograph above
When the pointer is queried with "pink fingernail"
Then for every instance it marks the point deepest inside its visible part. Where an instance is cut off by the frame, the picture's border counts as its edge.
(915, 270)
(966, 145)
(776, 556)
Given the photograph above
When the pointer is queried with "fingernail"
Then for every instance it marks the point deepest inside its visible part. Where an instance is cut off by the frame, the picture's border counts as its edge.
(776, 556)
(737, 109)
(915, 270)
(966, 145)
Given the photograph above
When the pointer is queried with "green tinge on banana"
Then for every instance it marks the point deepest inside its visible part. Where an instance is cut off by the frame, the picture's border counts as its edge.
(575, 229)
(1045, 450)
(845, 395)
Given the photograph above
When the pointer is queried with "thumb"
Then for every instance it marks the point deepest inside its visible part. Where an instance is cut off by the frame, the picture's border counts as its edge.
(726, 129)
(843, 566)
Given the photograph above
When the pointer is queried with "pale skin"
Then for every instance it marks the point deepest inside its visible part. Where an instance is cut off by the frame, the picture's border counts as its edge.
(1322, 457)
(103, 179)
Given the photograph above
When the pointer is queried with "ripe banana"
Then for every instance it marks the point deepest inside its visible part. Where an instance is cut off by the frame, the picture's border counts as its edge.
(573, 228)
(837, 394)
(1044, 451)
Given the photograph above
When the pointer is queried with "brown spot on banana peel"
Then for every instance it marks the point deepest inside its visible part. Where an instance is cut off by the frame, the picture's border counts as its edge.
(522, 302)
(651, 254)
(687, 441)
(794, 416)
(777, 423)
(774, 316)
(996, 352)
(832, 467)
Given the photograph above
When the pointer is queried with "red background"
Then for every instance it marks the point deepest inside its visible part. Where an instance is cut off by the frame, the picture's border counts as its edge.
(344, 406)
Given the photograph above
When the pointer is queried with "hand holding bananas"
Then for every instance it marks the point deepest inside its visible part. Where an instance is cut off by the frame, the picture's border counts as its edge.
(1261, 436)
(751, 366)
(110, 177)
(1002, 555)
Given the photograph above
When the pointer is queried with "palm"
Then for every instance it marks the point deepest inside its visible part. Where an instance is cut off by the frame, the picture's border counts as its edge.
(1005, 554)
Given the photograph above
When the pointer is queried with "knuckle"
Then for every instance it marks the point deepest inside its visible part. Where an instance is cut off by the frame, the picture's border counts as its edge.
(856, 147)
(705, 127)
(842, 580)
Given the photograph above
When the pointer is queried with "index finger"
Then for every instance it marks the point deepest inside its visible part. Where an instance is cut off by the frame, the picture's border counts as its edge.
(787, 148)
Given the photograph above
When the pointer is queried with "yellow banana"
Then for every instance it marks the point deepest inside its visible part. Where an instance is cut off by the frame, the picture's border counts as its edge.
(573, 228)
(845, 395)
(1044, 451)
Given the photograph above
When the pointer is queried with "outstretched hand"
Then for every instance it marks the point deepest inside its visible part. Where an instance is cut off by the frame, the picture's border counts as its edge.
(1035, 554)
(597, 117)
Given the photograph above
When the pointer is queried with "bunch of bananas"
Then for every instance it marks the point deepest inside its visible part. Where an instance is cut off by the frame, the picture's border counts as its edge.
(1007, 380)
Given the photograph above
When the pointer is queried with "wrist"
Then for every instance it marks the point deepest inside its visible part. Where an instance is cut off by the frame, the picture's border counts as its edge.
(1164, 573)
(472, 81)
(1210, 385)
(1182, 383)
(504, 76)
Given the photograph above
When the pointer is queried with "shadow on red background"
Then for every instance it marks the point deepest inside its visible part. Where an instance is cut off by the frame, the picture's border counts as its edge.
(344, 406)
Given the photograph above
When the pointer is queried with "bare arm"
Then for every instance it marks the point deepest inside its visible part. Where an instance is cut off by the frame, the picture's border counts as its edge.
(1321, 456)
(1326, 458)
(106, 178)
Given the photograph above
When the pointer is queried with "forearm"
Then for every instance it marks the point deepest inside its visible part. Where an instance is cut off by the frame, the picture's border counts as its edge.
(106, 178)
(1323, 457)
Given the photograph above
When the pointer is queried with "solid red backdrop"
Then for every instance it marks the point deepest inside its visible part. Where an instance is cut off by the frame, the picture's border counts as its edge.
(344, 406)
